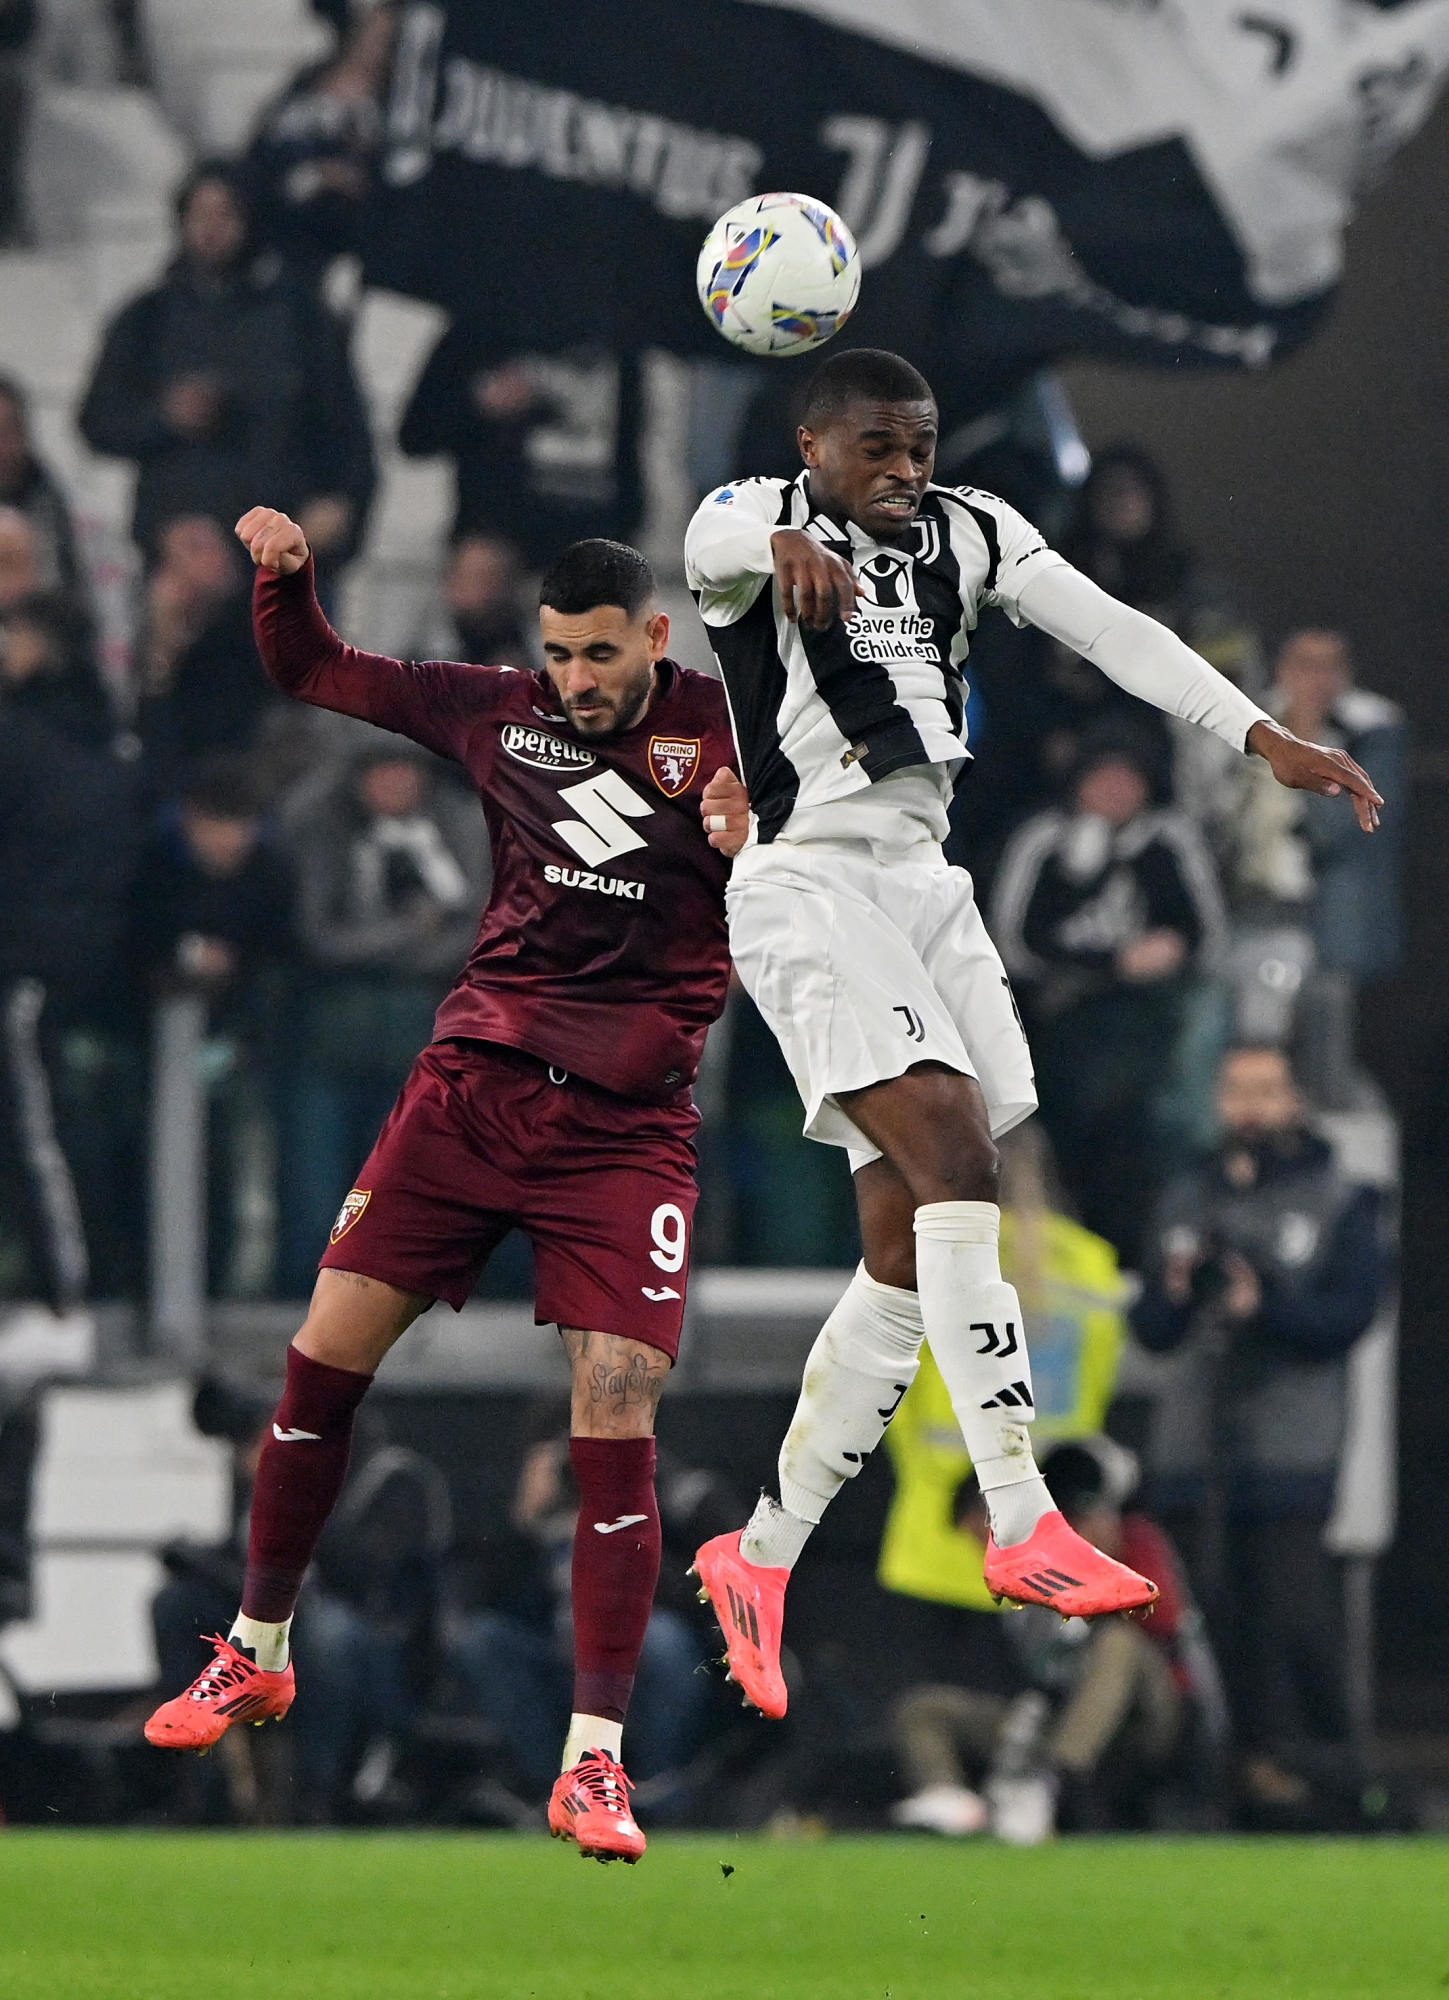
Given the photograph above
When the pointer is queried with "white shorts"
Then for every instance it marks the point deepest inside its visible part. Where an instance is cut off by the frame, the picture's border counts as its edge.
(863, 968)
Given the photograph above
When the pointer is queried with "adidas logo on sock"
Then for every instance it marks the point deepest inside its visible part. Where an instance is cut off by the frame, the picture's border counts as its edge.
(1017, 1397)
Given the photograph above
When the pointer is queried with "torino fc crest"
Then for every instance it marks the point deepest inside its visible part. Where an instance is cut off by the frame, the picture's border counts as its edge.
(673, 761)
(350, 1210)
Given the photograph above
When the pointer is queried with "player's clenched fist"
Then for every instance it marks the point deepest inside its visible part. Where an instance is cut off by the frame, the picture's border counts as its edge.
(725, 806)
(273, 540)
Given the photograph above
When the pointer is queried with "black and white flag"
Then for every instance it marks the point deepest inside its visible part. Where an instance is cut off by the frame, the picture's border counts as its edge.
(1160, 181)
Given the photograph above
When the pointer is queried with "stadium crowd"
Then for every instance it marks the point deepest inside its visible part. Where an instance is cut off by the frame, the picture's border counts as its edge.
(1187, 942)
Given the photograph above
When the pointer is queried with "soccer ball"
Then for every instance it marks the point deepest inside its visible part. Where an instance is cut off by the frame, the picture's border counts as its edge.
(778, 274)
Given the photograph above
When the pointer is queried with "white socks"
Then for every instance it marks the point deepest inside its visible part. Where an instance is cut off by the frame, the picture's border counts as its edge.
(591, 1732)
(974, 1324)
(269, 1644)
(862, 1363)
(866, 1358)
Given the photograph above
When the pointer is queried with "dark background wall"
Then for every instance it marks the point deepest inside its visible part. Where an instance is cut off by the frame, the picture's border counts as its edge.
(1322, 489)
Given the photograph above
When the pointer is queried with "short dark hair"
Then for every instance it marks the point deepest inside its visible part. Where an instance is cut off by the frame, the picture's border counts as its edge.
(862, 374)
(596, 572)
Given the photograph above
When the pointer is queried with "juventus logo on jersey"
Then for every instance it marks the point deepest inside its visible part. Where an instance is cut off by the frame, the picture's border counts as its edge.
(915, 1026)
(928, 540)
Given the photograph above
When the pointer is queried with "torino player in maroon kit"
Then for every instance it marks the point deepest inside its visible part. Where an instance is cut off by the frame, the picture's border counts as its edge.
(554, 1098)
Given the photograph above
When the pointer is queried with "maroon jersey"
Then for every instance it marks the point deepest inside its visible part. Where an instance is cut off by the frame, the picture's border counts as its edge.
(603, 947)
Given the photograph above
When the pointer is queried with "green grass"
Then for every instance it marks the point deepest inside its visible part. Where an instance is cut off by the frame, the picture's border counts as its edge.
(268, 1917)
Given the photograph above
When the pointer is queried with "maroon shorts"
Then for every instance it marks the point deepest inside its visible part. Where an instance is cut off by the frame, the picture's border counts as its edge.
(484, 1139)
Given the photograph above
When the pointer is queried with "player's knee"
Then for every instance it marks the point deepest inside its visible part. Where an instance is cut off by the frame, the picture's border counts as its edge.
(590, 1419)
(892, 1261)
(974, 1169)
(616, 1384)
(963, 1165)
(940, 1142)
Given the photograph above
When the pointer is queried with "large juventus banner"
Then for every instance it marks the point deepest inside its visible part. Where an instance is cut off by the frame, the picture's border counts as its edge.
(1161, 181)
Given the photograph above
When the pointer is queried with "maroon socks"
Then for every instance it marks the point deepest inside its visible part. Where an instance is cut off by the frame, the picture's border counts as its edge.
(616, 1566)
(616, 1543)
(303, 1465)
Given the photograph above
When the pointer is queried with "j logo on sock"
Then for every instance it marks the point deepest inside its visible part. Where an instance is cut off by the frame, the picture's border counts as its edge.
(624, 1521)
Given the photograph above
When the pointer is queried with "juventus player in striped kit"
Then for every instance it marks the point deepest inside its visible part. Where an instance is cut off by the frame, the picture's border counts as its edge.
(840, 606)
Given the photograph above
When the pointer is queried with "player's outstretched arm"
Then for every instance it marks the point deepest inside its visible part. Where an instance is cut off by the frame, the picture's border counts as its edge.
(433, 702)
(1142, 656)
(1310, 767)
(725, 808)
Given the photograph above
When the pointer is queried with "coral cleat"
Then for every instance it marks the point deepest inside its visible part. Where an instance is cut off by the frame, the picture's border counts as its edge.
(590, 1804)
(232, 1689)
(749, 1602)
(1055, 1567)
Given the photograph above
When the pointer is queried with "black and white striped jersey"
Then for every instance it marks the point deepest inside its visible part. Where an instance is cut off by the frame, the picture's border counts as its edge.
(820, 716)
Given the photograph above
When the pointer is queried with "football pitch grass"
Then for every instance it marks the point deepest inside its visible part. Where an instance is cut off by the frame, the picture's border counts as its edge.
(97, 1916)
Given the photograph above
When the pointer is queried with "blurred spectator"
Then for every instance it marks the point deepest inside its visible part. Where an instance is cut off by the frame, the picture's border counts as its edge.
(1036, 704)
(546, 447)
(1124, 538)
(1358, 921)
(213, 903)
(1105, 1701)
(392, 867)
(1042, 703)
(67, 849)
(311, 160)
(518, 1668)
(1309, 893)
(1266, 1265)
(29, 488)
(231, 383)
(482, 598)
(203, 690)
(1102, 912)
(18, 21)
(212, 915)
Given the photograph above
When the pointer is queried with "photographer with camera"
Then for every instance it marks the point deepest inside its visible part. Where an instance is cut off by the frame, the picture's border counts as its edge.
(1267, 1264)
